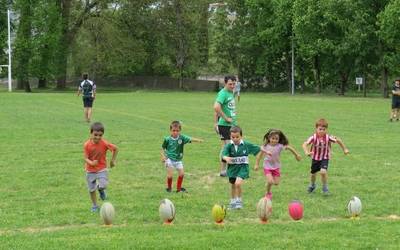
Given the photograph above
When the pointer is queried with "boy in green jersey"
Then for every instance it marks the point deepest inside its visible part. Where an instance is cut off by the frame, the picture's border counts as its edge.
(236, 154)
(172, 154)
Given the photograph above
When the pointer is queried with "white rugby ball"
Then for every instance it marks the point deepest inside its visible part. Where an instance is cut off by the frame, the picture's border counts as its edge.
(354, 207)
(167, 210)
(264, 209)
(107, 213)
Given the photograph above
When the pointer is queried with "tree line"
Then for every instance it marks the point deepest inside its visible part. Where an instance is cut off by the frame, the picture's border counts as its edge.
(333, 41)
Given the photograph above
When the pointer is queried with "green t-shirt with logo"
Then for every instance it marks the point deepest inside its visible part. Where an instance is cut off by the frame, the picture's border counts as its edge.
(174, 146)
(240, 153)
(240, 158)
(227, 101)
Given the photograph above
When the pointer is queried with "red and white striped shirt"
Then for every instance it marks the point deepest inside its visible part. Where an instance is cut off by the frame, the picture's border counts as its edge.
(321, 146)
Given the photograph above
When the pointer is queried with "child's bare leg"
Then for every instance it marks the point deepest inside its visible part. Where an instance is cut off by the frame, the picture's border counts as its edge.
(324, 179)
(277, 179)
(233, 191)
(170, 173)
(93, 198)
(89, 114)
(270, 182)
(392, 114)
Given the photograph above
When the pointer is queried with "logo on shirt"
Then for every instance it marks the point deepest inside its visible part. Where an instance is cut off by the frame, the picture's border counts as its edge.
(179, 141)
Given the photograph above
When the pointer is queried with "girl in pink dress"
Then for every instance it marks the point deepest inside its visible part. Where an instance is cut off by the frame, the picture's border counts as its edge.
(274, 142)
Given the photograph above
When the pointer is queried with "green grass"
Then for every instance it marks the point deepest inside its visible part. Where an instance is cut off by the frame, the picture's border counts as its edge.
(44, 203)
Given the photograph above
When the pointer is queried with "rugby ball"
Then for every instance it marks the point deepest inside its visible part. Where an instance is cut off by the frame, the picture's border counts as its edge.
(167, 211)
(354, 206)
(107, 213)
(264, 209)
(296, 210)
(218, 213)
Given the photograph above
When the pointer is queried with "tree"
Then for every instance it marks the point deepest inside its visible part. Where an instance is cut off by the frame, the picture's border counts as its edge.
(23, 46)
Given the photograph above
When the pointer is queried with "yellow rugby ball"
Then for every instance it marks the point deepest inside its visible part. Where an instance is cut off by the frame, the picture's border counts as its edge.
(218, 213)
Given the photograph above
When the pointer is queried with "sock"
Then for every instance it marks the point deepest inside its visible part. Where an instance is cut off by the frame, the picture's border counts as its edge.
(233, 200)
(179, 183)
(312, 184)
(169, 182)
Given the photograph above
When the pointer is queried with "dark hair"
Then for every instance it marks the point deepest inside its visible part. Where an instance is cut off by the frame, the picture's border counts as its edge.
(227, 78)
(85, 76)
(321, 123)
(97, 126)
(282, 137)
(235, 129)
(175, 124)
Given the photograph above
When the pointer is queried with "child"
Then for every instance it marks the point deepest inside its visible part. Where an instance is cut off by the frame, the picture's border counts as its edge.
(95, 150)
(172, 154)
(320, 153)
(395, 101)
(236, 154)
(274, 142)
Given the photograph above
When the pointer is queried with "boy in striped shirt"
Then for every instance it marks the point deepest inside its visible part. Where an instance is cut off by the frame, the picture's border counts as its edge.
(320, 153)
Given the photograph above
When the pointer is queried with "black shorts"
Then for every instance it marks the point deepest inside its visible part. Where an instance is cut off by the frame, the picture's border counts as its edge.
(316, 166)
(87, 102)
(395, 103)
(224, 132)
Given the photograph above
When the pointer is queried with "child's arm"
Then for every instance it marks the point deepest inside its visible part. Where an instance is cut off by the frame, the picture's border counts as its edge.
(258, 158)
(163, 156)
(341, 144)
(90, 162)
(193, 139)
(114, 156)
(294, 152)
(227, 159)
(306, 150)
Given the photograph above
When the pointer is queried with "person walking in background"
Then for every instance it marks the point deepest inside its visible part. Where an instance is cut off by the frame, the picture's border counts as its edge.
(225, 115)
(395, 101)
(88, 90)
(236, 92)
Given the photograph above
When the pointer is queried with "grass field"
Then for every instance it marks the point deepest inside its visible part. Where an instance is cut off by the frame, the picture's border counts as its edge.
(44, 203)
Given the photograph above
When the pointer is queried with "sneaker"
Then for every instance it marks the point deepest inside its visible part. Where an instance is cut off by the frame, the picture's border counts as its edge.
(268, 196)
(183, 190)
(325, 190)
(311, 188)
(232, 205)
(94, 209)
(103, 195)
(168, 190)
(239, 205)
(222, 174)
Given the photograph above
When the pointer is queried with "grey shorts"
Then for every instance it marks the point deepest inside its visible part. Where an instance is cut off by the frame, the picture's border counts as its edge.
(95, 180)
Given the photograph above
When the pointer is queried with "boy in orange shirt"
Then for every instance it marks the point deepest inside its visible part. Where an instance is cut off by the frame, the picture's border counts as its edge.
(95, 151)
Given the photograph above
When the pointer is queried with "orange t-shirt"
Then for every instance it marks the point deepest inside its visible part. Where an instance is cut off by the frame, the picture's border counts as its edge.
(98, 152)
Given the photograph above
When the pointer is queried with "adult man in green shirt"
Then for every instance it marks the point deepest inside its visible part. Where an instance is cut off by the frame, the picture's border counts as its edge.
(225, 115)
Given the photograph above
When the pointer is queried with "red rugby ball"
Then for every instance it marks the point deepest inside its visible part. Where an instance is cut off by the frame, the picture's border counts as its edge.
(296, 210)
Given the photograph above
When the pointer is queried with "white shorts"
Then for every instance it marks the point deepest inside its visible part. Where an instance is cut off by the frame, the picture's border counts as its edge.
(173, 164)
